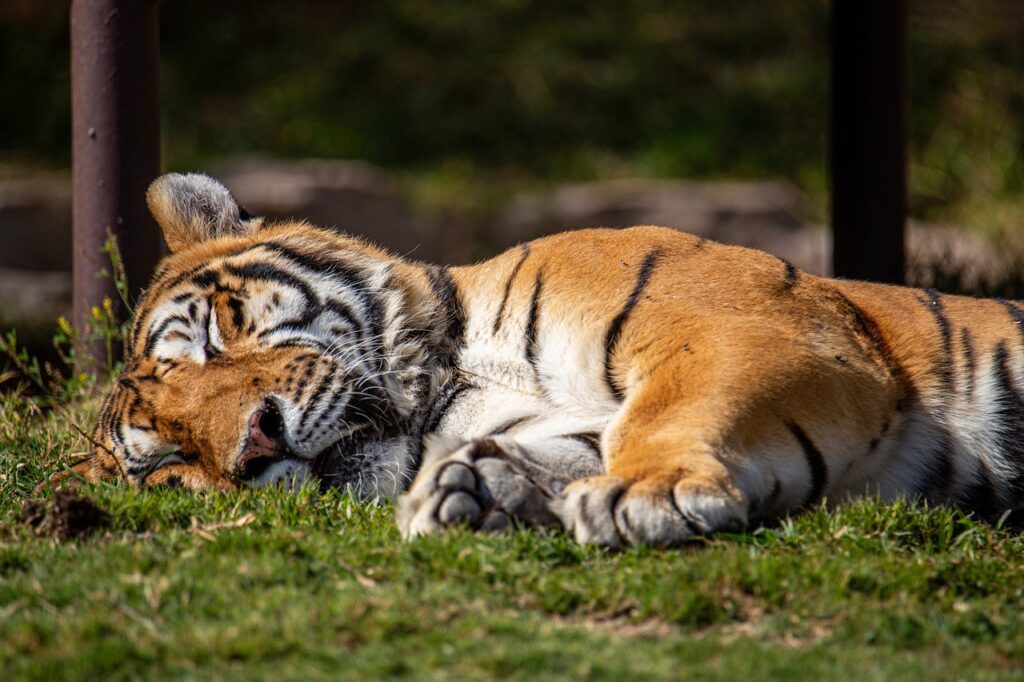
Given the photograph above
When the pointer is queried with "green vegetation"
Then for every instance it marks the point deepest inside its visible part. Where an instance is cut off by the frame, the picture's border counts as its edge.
(502, 92)
(263, 584)
(256, 585)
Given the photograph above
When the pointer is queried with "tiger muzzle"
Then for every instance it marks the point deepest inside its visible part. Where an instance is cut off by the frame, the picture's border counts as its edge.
(264, 443)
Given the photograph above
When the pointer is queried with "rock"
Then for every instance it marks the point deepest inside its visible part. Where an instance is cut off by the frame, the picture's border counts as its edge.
(35, 223)
(974, 262)
(764, 215)
(35, 230)
(34, 297)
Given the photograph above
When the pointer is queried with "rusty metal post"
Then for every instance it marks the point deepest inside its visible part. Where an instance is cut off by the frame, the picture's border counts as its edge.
(116, 146)
(869, 138)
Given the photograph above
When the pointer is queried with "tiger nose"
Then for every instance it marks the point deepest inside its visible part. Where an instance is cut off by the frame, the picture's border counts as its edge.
(264, 442)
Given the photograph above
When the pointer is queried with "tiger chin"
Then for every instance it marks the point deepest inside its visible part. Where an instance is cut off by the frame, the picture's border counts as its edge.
(633, 387)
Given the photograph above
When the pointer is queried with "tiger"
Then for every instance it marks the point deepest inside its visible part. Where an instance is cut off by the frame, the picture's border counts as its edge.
(636, 386)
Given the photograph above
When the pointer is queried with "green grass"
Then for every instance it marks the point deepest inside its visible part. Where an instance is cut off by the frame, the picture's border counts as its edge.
(256, 585)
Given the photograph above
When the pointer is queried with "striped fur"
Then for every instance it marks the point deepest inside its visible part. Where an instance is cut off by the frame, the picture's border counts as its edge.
(633, 386)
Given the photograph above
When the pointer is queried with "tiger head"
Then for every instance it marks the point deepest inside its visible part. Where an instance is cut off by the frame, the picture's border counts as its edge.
(266, 354)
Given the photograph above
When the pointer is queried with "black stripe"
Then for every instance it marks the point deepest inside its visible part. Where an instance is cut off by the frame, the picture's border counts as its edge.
(237, 315)
(204, 325)
(510, 424)
(373, 409)
(530, 339)
(867, 328)
(1009, 410)
(295, 324)
(155, 335)
(591, 439)
(302, 357)
(938, 477)
(129, 385)
(487, 448)
(321, 388)
(344, 312)
(944, 368)
(815, 462)
(160, 271)
(206, 278)
(500, 317)
(440, 408)
(1016, 314)
(791, 275)
(311, 315)
(981, 496)
(970, 364)
(265, 272)
(615, 328)
(303, 343)
(319, 262)
(157, 285)
(316, 262)
(338, 270)
(447, 294)
(303, 382)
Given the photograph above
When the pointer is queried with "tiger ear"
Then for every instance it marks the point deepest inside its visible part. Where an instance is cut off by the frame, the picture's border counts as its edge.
(195, 208)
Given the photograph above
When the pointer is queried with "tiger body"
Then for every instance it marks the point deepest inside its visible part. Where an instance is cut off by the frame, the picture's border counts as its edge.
(635, 386)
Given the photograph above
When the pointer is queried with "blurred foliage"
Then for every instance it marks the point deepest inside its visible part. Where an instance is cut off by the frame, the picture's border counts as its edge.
(550, 91)
(61, 374)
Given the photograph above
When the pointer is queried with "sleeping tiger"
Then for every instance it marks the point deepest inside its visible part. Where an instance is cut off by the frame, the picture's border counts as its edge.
(634, 387)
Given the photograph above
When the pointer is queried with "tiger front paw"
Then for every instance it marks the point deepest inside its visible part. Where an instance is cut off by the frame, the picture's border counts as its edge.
(612, 512)
(473, 484)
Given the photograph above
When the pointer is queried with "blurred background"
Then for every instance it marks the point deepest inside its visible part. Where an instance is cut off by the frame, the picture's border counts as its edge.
(448, 129)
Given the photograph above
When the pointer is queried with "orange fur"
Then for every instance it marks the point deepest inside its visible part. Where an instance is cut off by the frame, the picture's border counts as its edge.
(722, 358)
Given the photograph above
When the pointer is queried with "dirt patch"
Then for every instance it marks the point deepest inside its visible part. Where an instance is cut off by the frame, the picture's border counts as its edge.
(66, 517)
(621, 626)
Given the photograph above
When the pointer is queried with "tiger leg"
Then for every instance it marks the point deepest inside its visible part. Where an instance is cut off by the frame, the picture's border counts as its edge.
(688, 458)
(661, 505)
(490, 483)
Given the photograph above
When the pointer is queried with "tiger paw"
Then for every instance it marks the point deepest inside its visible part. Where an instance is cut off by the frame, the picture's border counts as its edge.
(611, 512)
(475, 484)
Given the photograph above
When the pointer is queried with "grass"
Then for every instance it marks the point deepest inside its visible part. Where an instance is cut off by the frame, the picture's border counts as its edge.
(265, 584)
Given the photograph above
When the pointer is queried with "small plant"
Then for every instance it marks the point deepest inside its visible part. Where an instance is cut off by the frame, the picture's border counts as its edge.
(75, 374)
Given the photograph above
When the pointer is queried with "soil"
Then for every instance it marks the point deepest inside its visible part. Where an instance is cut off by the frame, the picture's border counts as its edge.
(66, 517)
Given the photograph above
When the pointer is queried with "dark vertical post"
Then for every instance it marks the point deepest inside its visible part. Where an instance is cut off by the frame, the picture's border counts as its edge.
(116, 146)
(868, 138)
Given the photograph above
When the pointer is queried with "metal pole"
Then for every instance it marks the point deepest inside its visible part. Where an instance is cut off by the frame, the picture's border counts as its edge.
(869, 138)
(116, 147)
